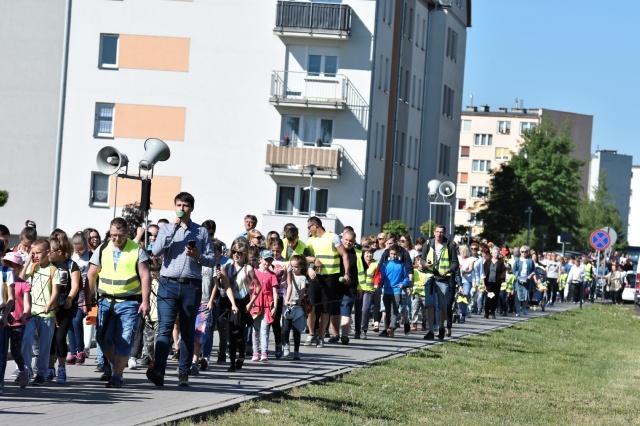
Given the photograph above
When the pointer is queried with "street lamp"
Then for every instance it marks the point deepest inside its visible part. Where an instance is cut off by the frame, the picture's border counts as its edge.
(529, 211)
(445, 190)
(312, 190)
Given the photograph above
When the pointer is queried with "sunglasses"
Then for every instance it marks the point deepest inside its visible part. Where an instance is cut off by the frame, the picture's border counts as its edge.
(239, 253)
(402, 241)
(254, 259)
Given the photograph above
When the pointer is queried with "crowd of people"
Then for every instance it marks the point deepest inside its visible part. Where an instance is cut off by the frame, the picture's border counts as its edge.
(166, 291)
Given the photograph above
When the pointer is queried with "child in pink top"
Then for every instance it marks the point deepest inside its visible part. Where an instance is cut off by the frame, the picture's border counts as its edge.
(279, 267)
(265, 306)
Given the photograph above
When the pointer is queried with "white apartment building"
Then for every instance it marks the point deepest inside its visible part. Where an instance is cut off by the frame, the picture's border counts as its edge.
(257, 101)
(489, 138)
(633, 230)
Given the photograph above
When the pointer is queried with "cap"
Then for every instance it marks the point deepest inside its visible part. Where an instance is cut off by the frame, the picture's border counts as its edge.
(12, 257)
(266, 254)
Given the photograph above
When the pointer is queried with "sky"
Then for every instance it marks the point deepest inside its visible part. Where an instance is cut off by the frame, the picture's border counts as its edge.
(574, 56)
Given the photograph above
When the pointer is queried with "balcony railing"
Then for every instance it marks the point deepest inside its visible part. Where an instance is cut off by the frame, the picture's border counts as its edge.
(314, 19)
(300, 88)
(295, 158)
(275, 219)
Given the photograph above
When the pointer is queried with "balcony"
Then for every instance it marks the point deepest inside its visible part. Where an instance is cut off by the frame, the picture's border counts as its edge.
(313, 20)
(294, 158)
(308, 90)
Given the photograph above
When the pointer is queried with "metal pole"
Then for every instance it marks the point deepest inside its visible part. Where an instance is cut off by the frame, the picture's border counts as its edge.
(528, 210)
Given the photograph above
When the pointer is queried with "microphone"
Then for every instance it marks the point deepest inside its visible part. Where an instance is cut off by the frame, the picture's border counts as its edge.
(179, 214)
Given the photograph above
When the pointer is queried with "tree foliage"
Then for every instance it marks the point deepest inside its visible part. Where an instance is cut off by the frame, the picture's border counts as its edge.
(396, 226)
(424, 228)
(134, 217)
(4, 197)
(599, 212)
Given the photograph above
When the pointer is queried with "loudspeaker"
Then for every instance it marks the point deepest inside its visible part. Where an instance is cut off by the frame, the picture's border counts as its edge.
(145, 196)
(154, 150)
(447, 189)
(433, 186)
(110, 160)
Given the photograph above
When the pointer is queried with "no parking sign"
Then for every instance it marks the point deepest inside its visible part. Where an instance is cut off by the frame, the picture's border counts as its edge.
(600, 239)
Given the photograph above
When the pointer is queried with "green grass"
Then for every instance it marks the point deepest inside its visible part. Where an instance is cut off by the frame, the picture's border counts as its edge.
(578, 367)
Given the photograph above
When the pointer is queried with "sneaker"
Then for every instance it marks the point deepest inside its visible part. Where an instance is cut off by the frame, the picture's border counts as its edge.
(383, 333)
(255, 357)
(62, 375)
(357, 335)
(364, 335)
(99, 368)
(183, 379)
(296, 356)
(429, 336)
(441, 334)
(71, 359)
(204, 363)
(424, 328)
(517, 315)
(115, 382)
(344, 340)
(80, 357)
(326, 334)
(195, 369)
(23, 377)
(239, 363)
(132, 363)
(49, 375)
(264, 357)
(320, 343)
(376, 327)
(311, 340)
(106, 376)
(278, 352)
(333, 339)
(156, 377)
(221, 360)
(286, 352)
(407, 329)
(390, 332)
(38, 381)
(414, 327)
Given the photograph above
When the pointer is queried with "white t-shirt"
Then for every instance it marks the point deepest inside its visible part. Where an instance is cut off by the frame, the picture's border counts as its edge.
(7, 280)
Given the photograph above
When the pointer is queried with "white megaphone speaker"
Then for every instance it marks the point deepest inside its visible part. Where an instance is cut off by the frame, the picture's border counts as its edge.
(447, 189)
(154, 150)
(110, 160)
(433, 186)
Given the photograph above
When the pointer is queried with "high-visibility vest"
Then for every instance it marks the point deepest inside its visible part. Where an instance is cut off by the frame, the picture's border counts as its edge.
(299, 250)
(123, 281)
(419, 279)
(445, 262)
(508, 284)
(588, 272)
(562, 282)
(324, 250)
(368, 281)
(362, 272)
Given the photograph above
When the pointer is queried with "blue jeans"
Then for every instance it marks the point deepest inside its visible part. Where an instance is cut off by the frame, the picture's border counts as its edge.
(176, 299)
(117, 328)
(76, 333)
(45, 328)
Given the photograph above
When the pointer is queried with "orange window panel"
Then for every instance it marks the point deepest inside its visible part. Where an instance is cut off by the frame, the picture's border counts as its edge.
(163, 191)
(153, 53)
(149, 121)
(463, 177)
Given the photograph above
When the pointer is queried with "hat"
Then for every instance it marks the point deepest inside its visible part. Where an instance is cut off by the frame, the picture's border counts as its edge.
(266, 254)
(12, 257)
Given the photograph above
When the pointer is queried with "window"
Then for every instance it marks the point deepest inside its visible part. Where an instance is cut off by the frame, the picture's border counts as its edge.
(503, 153)
(386, 75)
(108, 51)
(419, 93)
(525, 127)
(307, 130)
(464, 151)
(461, 204)
(104, 120)
(294, 200)
(381, 77)
(463, 178)
(480, 192)
(99, 190)
(447, 102)
(322, 196)
(383, 139)
(452, 45)
(482, 140)
(407, 82)
(323, 65)
(481, 166)
(445, 159)
(413, 91)
(504, 127)
(286, 199)
(466, 125)
(474, 220)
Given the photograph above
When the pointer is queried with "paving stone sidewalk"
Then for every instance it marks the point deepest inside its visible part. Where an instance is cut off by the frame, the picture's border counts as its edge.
(85, 399)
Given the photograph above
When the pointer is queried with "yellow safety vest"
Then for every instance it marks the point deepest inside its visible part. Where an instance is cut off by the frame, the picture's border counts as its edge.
(368, 281)
(124, 281)
(445, 262)
(298, 250)
(362, 273)
(324, 250)
(419, 279)
(588, 271)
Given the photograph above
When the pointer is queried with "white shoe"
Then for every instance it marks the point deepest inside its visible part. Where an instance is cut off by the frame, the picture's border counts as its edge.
(132, 363)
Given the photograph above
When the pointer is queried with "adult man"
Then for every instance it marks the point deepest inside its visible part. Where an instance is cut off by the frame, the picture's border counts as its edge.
(125, 286)
(356, 269)
(186, 247)
(440, 259)
(326, 250)
(250, 222)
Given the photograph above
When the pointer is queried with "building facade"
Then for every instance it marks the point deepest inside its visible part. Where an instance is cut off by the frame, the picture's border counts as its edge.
(281, 109)
(489, 138)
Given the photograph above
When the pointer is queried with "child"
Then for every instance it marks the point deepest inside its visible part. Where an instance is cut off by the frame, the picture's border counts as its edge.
(294, 316)
(506, 288)
(366, 290)
(394, 282)
(81, 255)
(562, 283)
(151, 320)
(418, 308)
(265, 306)
(481, 295)
(44, 279)
(204, 318)
(279, 268)
(27, 237)
(18, 300)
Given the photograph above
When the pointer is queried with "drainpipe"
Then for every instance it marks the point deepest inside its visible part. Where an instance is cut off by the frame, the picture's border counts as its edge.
(61, 108)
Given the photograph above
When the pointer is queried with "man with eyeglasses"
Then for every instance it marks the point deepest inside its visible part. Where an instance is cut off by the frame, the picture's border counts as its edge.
(186, 248)
(124, 289)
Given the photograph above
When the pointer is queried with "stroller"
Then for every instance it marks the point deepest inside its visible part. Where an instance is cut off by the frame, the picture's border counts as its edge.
(539, 296)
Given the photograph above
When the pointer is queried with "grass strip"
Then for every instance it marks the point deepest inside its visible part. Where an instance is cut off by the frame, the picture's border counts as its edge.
(577, 367)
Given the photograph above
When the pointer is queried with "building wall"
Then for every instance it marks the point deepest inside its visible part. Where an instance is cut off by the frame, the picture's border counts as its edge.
(633, 229)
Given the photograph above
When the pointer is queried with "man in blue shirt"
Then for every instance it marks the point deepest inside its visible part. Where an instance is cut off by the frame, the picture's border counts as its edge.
(186, 248)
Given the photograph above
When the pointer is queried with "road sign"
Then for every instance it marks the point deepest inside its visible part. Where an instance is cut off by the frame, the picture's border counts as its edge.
(612, 233)
(600, 239)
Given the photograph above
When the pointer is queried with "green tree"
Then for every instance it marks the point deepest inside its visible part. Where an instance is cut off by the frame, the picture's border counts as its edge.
(396, 226)
(597, 213)
(4, 197)
(134, 217)
(426, 226)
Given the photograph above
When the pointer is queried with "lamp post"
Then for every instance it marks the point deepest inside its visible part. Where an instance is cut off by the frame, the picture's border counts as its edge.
(311, 168)
(445, 190)
(529, 211)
